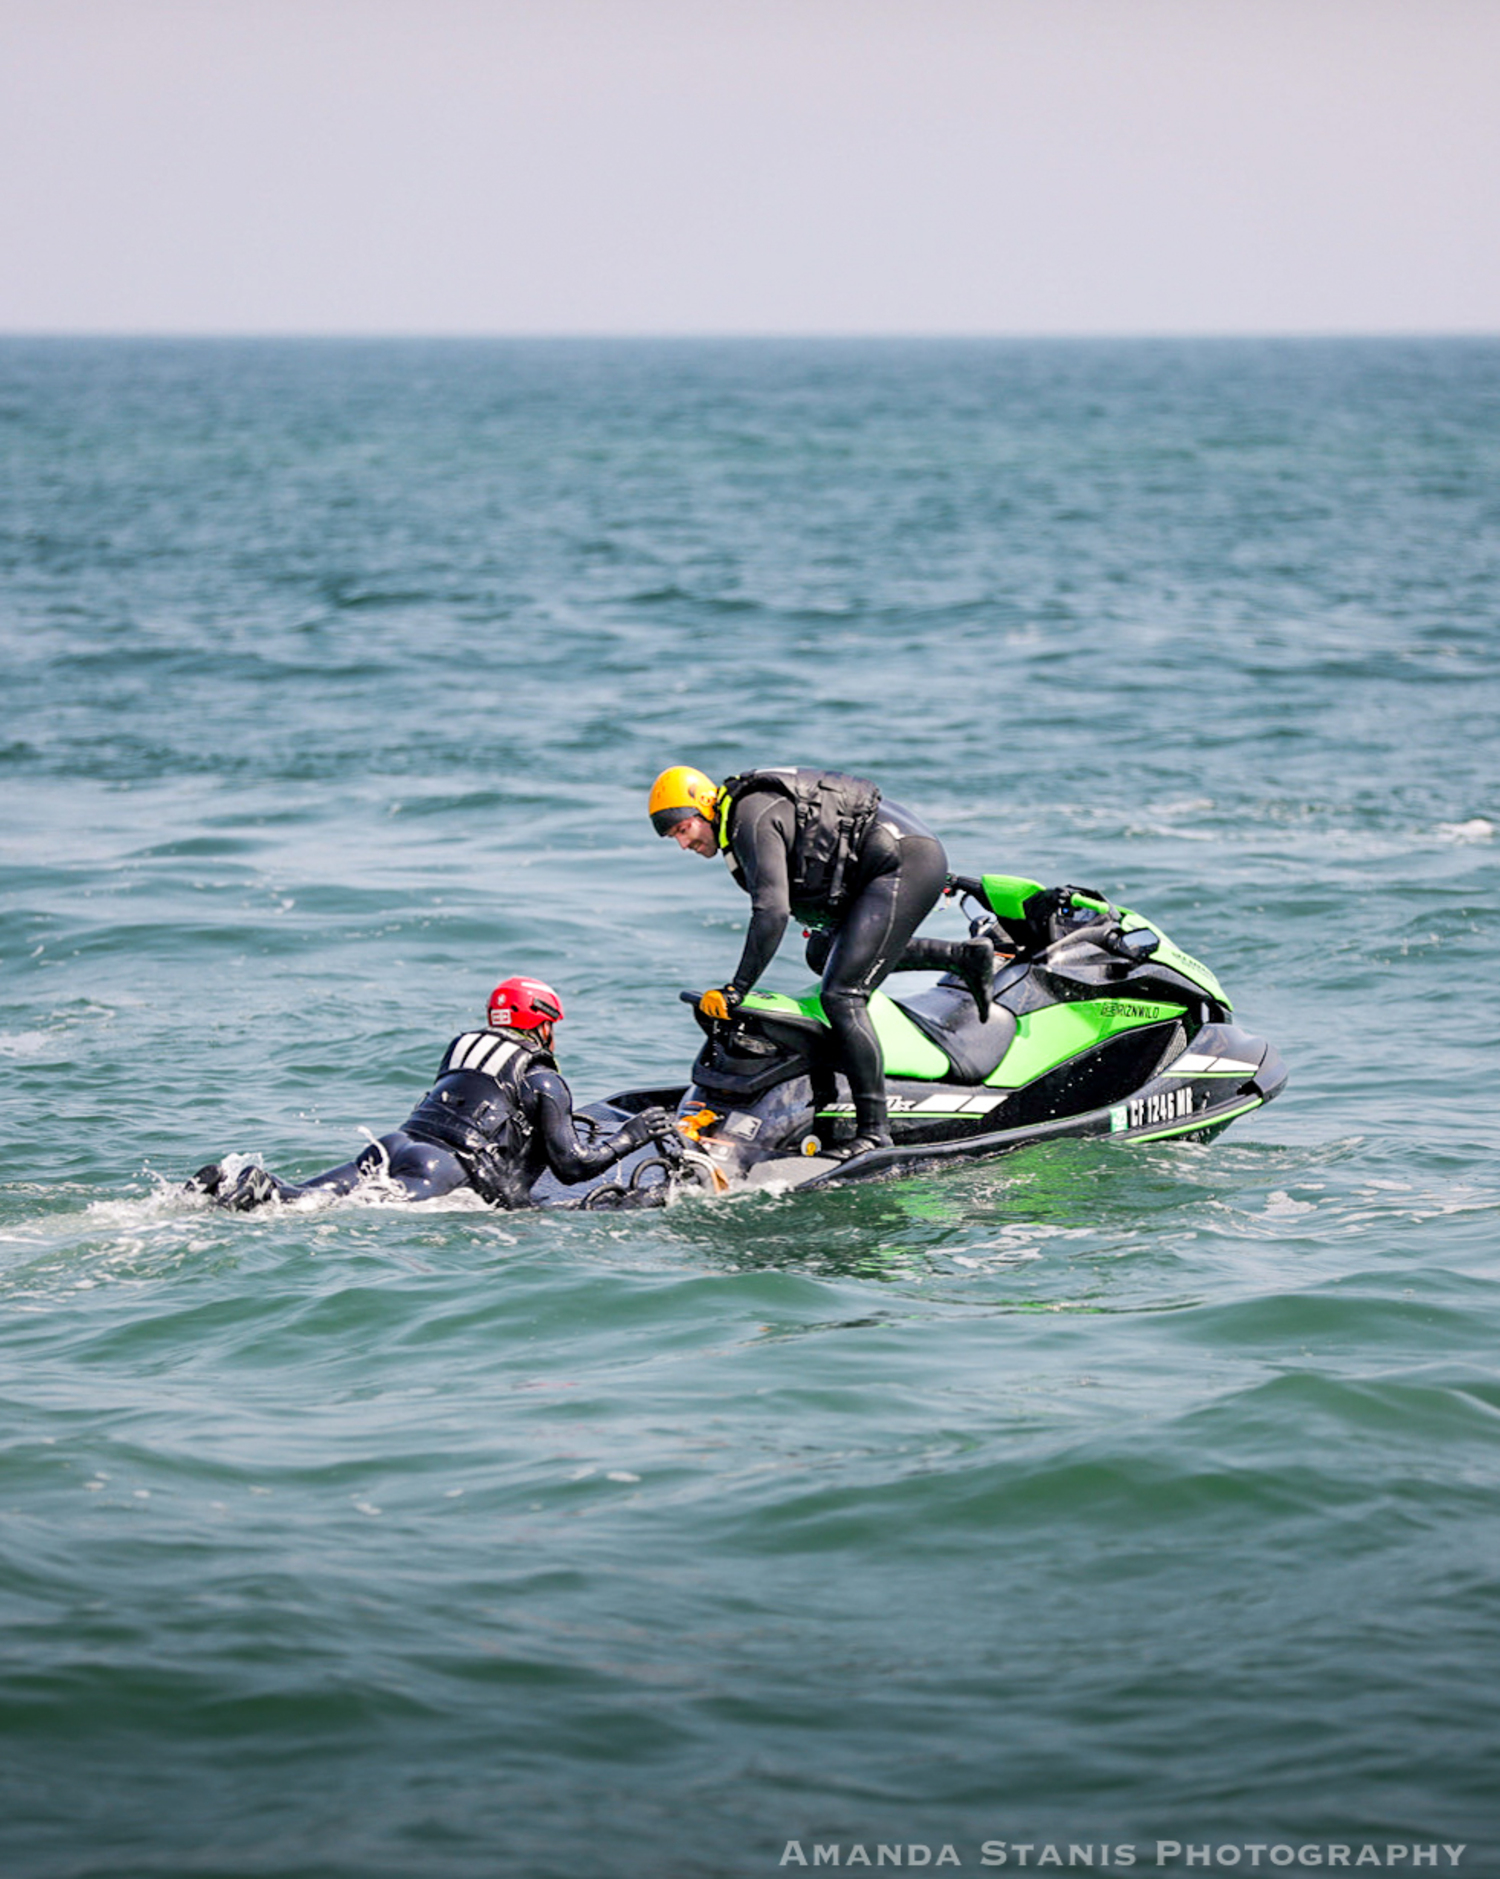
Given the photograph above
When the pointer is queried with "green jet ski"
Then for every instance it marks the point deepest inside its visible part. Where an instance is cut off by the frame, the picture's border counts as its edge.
(1099, 1026)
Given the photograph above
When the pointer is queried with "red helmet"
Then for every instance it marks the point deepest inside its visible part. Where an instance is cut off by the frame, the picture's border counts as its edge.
(524, 1005)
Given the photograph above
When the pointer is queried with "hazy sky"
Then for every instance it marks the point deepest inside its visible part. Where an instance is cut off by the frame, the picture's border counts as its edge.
(750, 166)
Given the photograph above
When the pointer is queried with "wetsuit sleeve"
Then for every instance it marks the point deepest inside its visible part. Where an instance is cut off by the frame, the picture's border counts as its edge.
(548, 1103)
(764, 829)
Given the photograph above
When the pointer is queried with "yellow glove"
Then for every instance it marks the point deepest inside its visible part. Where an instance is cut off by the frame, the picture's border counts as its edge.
(719, 1003)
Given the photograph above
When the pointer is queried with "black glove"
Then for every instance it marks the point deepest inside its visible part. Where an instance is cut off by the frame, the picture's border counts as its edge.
(651, 1125)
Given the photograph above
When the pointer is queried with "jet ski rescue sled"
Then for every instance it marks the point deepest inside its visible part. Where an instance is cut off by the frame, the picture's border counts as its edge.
(1099, 1026)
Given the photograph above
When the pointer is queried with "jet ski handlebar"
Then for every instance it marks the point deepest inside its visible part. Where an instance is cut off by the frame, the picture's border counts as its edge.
(708, 1026)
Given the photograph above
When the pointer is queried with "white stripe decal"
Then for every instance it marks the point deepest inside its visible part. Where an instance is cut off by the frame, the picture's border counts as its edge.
(1193, 1064)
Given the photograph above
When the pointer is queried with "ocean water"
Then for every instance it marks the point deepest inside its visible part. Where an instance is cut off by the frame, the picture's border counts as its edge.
(1097, 1501)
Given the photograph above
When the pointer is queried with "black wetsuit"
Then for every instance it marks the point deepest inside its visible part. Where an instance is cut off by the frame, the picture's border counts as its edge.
(496, 1117)
(893, 879)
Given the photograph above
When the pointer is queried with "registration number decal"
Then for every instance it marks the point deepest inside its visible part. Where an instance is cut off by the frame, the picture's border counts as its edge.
(1149, 1112)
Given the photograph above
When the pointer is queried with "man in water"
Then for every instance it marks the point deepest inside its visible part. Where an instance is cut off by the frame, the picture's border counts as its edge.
(497, 1116)
(861, 871)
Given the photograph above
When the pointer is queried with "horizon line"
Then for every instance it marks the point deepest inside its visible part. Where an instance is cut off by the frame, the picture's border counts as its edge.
(745, 335)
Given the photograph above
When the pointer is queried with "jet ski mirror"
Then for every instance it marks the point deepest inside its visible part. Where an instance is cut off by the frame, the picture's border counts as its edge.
(1137, 945)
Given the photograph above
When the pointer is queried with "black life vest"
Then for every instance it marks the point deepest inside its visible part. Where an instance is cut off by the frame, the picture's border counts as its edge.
(474, 1107)
(834, 814)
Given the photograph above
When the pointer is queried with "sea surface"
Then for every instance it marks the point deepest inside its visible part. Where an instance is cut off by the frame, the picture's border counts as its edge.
(1101, 1500)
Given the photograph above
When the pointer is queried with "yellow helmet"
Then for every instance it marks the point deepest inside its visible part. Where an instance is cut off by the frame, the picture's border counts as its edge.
(679, 793)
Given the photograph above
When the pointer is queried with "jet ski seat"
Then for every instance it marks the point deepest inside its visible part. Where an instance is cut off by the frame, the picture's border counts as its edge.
(947, 1016)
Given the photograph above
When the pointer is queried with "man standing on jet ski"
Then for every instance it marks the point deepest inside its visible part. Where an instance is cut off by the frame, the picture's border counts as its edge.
(498, 1114)
(861, 871)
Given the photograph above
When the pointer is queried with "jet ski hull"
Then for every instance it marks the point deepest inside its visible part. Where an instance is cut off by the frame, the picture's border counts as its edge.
(1227, 1074)
(1099, 1027)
